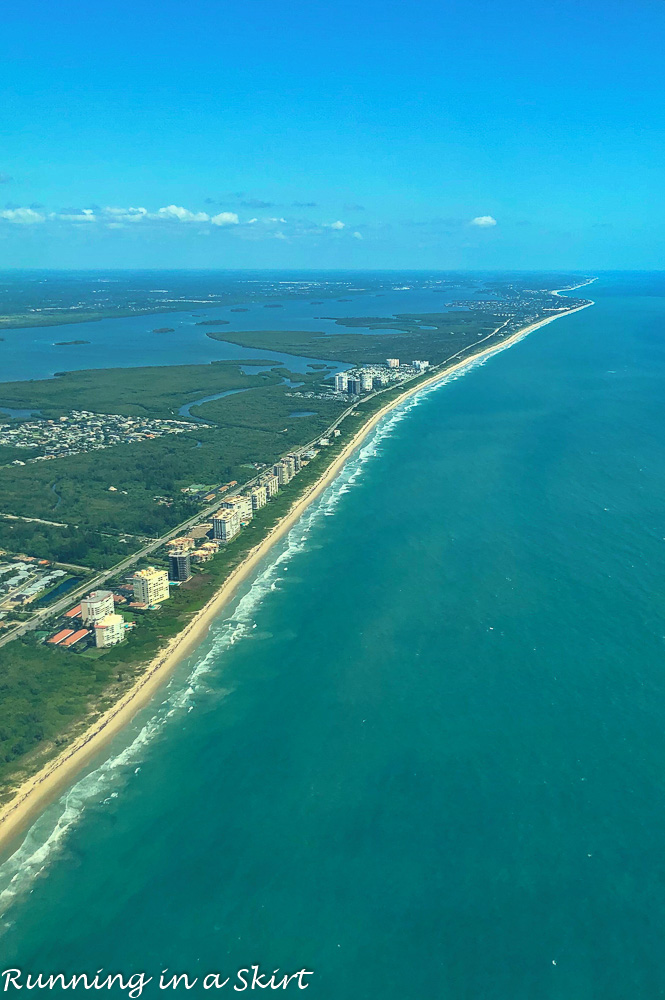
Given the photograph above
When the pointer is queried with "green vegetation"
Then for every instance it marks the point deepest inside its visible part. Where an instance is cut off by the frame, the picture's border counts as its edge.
(68, 545)
(44, 692)
(10, 454)
(451, 332)
(149, 392)
(266, 412)
(248, 428)
(48, 693)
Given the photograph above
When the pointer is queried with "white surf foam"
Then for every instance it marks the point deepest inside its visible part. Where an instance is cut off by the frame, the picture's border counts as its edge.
(102, 785)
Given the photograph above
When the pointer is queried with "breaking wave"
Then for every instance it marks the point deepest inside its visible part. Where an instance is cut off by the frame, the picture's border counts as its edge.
(105, 782)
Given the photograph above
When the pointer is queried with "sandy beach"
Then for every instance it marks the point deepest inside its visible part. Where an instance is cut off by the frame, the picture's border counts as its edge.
(36, 792)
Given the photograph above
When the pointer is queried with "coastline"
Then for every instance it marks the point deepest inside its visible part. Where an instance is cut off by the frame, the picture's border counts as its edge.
(36, 792)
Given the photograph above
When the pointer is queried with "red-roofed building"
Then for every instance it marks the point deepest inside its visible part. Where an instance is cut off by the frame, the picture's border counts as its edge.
(73, 612)
(76, 637)
(56, 639)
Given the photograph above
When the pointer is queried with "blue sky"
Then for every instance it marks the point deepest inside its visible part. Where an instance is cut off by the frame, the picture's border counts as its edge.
(264, 133)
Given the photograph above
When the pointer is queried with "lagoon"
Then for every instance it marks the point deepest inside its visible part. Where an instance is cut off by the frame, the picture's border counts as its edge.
(422, 753)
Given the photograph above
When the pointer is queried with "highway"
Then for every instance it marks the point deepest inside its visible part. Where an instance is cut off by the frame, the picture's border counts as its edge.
(94, 583)
(59, 606)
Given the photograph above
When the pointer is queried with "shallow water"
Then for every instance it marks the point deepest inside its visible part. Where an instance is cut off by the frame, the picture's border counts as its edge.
(34, 352)
(424, 754)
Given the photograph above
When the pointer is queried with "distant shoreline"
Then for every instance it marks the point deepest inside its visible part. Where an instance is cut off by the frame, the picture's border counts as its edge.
(38, 321)
(34, 794)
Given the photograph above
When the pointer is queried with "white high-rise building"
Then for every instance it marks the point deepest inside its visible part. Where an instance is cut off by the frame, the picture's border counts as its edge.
(259, 497)
(110, 630)
(226, 524)
(151, 586)
(341, 382)
(96, 606)
(392, 362)
(285, 470)
(366, 382)
(271, 484)
(242, 505)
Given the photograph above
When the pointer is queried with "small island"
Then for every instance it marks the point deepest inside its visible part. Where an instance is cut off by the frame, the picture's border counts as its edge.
(212, 322)
(164, 329)
(69, 343)
(239, 310)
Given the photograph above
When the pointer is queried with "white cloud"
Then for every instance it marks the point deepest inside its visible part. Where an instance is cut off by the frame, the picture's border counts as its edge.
(114, 217)
(126, 214)
(225, 219)
(181, 214)
(484, 221)
(23, 216)
(85, 215)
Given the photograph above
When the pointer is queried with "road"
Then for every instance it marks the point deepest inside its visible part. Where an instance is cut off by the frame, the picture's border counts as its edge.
(97, 581)
(93, 583)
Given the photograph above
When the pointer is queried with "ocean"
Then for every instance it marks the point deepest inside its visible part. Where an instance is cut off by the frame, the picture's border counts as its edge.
(423, 754)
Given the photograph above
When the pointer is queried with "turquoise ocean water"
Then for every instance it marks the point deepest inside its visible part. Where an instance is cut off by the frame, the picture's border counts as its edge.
(425, 757)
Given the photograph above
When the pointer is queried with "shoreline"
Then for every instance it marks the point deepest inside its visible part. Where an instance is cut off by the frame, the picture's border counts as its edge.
(36, 792)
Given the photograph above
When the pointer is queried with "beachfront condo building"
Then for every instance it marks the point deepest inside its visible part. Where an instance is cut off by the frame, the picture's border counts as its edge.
(392, 362)
(205, 552)
(259, 497)
(96, 606)
(151, 585)
(110, 630)
(242, 505)
(226, 524)
(355, 386)
(295, 457)
(285, 469)
(271, 483)
(341, 382)
(283, 473)
(180, 566)
(366, 382)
